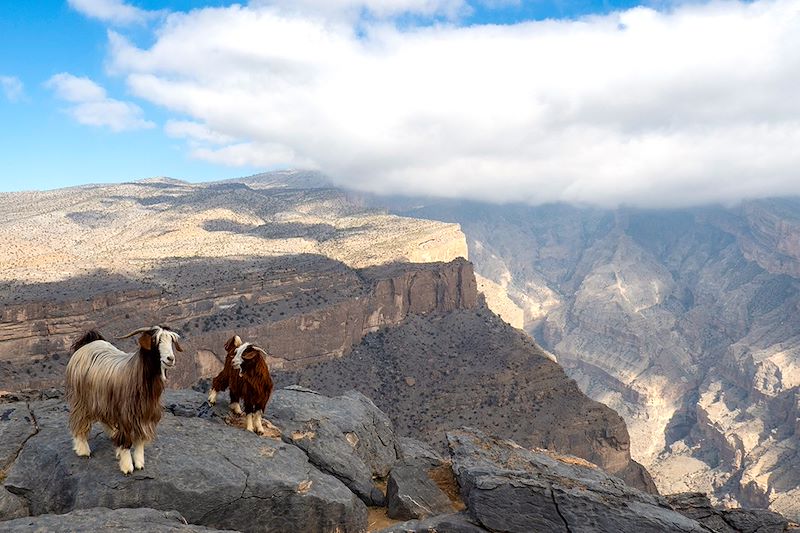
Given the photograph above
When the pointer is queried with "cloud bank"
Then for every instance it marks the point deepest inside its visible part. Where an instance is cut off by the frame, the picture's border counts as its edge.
(690, 105)
(93, 107)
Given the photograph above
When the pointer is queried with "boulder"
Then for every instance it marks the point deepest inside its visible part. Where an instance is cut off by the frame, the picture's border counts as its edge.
(512, 489)
(449, 523)
(412, 451)
(697, 506)
(347, 436)
(102, 519)
(11, 505)
(214, 475)
(411, 493)
(17, 425)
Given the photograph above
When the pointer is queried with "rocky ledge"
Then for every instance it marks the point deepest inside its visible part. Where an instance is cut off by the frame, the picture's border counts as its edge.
(326, 459)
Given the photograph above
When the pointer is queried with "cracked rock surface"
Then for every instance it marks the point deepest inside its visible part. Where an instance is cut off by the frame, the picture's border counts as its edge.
(508, 488)
(447, 523)
(102, 519)
(411, 493)
(697, 506)
(212, 474)
(347, 436)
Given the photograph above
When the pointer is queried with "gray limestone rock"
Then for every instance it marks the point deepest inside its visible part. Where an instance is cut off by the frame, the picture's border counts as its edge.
(449, 523)
(16, 426)
(412, 450)
(347, 436)
(511, 489)
(411, 493)
(12, 506)
(103, 519)
(697, 506)
(214, 475)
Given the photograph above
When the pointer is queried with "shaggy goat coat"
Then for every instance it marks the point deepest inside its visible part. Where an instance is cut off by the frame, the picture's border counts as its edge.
(255, 383)
(121, 390)
(228, 378)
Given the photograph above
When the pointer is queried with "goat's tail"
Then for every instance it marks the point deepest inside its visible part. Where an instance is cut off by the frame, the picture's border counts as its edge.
(90, 336)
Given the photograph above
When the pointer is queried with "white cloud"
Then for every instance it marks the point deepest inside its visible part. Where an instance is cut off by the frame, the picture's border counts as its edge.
(354, 9)
(93, 107)
(194, 131)
(12, 88)
(686, 106)
(112, 11)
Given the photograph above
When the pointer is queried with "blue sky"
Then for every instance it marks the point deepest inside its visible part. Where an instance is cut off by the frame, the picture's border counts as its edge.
(664, 104)
(42, 147)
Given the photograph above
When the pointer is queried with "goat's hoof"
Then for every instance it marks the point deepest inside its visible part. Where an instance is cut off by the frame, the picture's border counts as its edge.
(82, 450)
(125, 462)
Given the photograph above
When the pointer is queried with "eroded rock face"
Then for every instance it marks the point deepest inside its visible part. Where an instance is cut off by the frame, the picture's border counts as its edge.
(102, 519)
(214, 475)
(508, 488)
(346, 436)
(698, 507)
(411, 493)
(266, 258)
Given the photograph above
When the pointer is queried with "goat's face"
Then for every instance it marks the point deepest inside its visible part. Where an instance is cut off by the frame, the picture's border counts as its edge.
(245, 353)
(161, 342)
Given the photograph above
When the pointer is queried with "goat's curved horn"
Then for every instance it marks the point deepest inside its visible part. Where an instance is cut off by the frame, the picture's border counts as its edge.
(136, 332)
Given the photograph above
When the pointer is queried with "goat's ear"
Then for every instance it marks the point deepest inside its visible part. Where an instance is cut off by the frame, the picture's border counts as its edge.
(249, 353)
(177, 346)
(146, 341)
(233, 342)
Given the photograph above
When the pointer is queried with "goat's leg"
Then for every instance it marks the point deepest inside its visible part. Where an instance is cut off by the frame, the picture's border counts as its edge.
(125, 461)
(212, 397)
(249, 422)
(80, 435)
(259, 423)
(138, 455)
(80, 443)
(234, 406)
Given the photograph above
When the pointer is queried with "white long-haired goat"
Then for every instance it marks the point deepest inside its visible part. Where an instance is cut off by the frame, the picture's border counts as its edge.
(121, 390)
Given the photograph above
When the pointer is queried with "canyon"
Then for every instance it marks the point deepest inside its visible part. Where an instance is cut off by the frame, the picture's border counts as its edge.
(683, 321)
(311, 274)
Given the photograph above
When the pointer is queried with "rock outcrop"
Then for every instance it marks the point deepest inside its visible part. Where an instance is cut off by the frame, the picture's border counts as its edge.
(346, 436)
(212, 474)
(697, 506)
(508, 488)
(205, 473)
(140, 520)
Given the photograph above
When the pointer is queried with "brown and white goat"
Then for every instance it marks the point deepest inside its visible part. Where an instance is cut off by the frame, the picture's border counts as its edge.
(247, 376)
(120, 390)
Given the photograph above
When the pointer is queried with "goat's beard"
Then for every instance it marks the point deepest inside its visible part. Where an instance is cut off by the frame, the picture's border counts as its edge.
(163, 373)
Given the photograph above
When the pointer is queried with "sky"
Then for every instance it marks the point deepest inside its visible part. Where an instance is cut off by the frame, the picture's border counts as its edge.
(661, 104)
